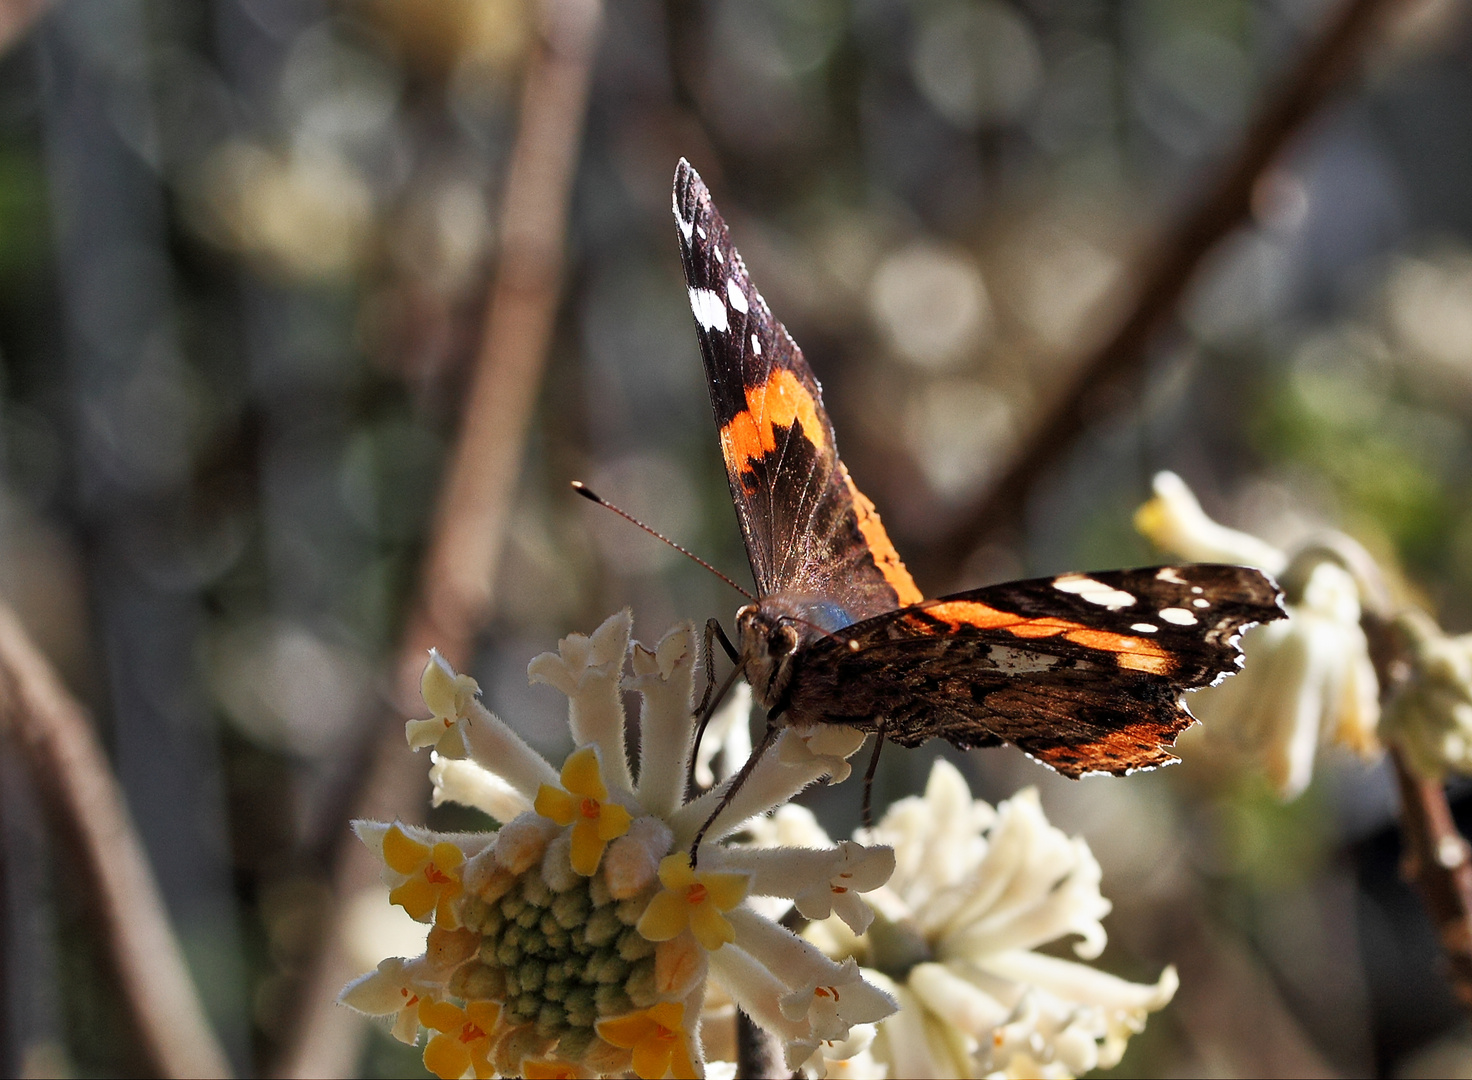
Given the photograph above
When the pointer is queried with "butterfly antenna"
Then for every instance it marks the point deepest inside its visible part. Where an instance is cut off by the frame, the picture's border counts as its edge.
(582, 489)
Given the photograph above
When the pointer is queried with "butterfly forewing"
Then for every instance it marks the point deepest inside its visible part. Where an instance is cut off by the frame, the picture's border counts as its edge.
(807, 528)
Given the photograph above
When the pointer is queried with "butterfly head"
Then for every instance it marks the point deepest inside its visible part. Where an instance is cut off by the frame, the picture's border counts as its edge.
(773, 632)
(768, 642)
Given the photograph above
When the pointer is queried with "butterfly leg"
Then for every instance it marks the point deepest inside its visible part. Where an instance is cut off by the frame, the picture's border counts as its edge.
(713, 632)
(734, 785)
(869, 776)
(707, 708)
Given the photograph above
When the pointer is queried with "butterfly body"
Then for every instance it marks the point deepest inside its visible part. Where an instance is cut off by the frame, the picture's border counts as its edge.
(1083, 672)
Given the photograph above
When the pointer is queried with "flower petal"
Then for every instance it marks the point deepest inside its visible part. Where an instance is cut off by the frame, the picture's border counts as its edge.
(447, 1057)
(666, 916)
(724, 890)
(400, 853)
(556, 804)
(711, 928)
(587, 847)
(613, 821)
(582, 775)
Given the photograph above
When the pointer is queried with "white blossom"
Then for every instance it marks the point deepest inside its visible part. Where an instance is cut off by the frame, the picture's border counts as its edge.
(578, 934)
(1307, 681)
(975, 892)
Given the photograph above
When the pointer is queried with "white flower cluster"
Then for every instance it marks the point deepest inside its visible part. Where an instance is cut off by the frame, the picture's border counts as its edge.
(1307, 682)
(975, 892)
(577, 938)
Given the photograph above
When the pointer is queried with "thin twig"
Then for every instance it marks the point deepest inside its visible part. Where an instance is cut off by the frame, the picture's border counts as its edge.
(84, 800)
(1438, 860)
(1169, 266)
(459, 571)
(1435, 855)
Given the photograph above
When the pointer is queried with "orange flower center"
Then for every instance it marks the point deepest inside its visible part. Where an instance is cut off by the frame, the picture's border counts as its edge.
(470, 1033)
(591, 808)
(663, 1034)
(695, 894)
(827, 991)
(435, 875)
(839, 889)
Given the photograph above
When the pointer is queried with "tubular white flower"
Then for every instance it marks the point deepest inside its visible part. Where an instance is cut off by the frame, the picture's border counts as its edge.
(782, 772)
(1174, 521)
(578, 933)
(974, 892)
(467, 783)
(847, 1059)
(851, 869)
(1306, 682)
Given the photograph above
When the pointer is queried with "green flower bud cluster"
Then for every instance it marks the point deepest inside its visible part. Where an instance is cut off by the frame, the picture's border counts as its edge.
(559, 960)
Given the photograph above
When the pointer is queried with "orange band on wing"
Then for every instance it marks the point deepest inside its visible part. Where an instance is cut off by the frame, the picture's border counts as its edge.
(1137, 654)
(885, 556)
(781, 401)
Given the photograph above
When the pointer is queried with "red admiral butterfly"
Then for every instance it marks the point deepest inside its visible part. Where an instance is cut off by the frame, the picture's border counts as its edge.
(1083, 672)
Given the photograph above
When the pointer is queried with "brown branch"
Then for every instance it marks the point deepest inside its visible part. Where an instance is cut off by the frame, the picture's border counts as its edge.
(1169, 266)
(1435, 856)
(459, 571)
(87, 808)
(1439, 861)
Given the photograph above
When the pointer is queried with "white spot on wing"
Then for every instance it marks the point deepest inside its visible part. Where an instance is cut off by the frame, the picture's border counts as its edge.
(1198, 602)
(756, 346)
(686, 227)
(1197, 589)
(717, 253)
(1018, 661)
(1095, 592)
(736, 296)
(1144, 627)
(1178, 615)
(709, 309)
(700, 230)
(1169, 574)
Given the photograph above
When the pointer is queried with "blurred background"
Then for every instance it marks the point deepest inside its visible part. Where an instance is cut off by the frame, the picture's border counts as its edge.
(245, 253)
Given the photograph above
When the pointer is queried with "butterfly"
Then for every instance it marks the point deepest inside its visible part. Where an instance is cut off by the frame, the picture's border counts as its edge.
(1083, 672)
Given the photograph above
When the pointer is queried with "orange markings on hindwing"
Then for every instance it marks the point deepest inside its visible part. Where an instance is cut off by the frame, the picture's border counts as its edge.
(1136, 654)
(885, 556)
(781, 401)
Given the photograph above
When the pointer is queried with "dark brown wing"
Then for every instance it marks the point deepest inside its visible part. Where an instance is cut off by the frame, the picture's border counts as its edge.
(807, 528)
(1084, 672)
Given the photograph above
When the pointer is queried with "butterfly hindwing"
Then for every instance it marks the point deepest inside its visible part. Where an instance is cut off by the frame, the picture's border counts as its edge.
(1084, 672)
(807, 528)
